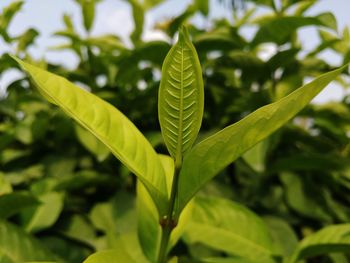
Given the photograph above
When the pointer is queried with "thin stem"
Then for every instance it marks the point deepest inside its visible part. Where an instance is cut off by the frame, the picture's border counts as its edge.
(168, 223)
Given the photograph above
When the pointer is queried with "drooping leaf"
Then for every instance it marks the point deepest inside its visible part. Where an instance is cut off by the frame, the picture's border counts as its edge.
(331, 239)
(181, 97)
(17, 246)
(226, 226)
(109, 125)
(213, 154)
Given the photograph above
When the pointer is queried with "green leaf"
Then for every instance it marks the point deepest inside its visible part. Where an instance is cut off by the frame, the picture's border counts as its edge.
(109, 125)
(213, 154)
(181, 97)
(226, 226)
(138, 13)
(301, 200)
(13, 203)
(283, 236)
(279, 29)
(126, 250)
(110, 256)
(17, 246)
(46, 214)
(230, 260)
(88, 8)
(334, 238)
(26, 39)
(203, 6)
(5, 186)
(6, 17)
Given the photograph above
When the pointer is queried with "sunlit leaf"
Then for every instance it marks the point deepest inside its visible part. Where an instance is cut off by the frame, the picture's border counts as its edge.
(213, 154)
(109, 125)
(229, 227)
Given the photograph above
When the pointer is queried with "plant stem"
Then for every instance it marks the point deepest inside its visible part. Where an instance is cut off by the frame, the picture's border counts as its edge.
(168, 223)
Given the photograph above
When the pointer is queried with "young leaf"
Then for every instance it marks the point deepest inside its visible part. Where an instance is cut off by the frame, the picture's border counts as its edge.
(181, 97)
(213, 154)
(331, 239)
(18, 246)
(229, 227)
(109, 125)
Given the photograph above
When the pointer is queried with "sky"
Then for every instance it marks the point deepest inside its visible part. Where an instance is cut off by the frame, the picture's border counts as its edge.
(114, 16)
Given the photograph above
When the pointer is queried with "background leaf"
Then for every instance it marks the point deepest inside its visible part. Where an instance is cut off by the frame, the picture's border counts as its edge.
(17, 246)
(334, 238)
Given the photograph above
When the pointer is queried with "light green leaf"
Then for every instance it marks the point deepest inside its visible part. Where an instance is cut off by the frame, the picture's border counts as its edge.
(17, 246)
(213, 154)
(181, 97)
(334, 238)
(226, 226)
(110, 256)
(109, 125)
(46, 214)
(5, 186)
(127, 249)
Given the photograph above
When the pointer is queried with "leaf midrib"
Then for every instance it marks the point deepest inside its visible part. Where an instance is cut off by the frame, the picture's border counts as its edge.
(179, 138)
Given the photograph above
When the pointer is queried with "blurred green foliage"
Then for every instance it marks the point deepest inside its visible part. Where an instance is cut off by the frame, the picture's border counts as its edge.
(60, 185)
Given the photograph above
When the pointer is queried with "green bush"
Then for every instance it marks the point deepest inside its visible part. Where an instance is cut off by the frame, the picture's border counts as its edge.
(64, 197)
